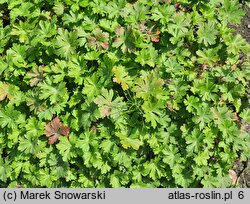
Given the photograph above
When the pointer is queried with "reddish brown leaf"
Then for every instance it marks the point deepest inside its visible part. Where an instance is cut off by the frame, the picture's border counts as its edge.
(93, 129)
(65, 130)
(149, 30)
(177, 5)
(53, 138)
(55, 129)
(105, 45)
(156, 37)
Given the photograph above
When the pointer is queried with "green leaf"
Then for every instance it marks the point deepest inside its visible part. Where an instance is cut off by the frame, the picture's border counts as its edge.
(192, 103)
(231, 12)
(65, 43)
(7, 119)
(151, 169)
(92, 86)
(72, 17)
(114, 180)
(179, 28)
(163, 13)
(152, 112)
(55, 93)
(105, 168)
(27, 144)
(236, 44)
(106, 145)
(45, 177)
(203, 116)
(222, 114)
(150, 94)
(58, 8)
(194, 141)
(123, 158)
(202, 158)
(207, 33)
(208, 56)
(133, 13)
(245, 115)
(23, 10)
(5, 169)
(171, 156)
(147, 56)
(65, 148)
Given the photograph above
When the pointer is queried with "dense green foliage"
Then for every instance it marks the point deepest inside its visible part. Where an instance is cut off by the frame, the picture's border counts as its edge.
(122, 93)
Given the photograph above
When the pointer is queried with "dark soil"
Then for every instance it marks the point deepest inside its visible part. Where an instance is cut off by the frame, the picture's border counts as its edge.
(242, 169)
(244, 178)
(244, 28)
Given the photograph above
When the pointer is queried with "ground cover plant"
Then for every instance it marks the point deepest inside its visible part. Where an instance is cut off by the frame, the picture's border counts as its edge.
(122, 93)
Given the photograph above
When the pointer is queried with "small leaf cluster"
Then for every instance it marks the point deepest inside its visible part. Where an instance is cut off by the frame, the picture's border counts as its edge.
(118, 93)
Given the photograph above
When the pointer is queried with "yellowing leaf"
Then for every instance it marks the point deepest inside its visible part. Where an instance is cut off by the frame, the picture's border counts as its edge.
(3, 90)
(122, 77)
(233, 176)
(149, 84)
(36, 75)
(129, 141)
(134, 143)
(104, 102)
